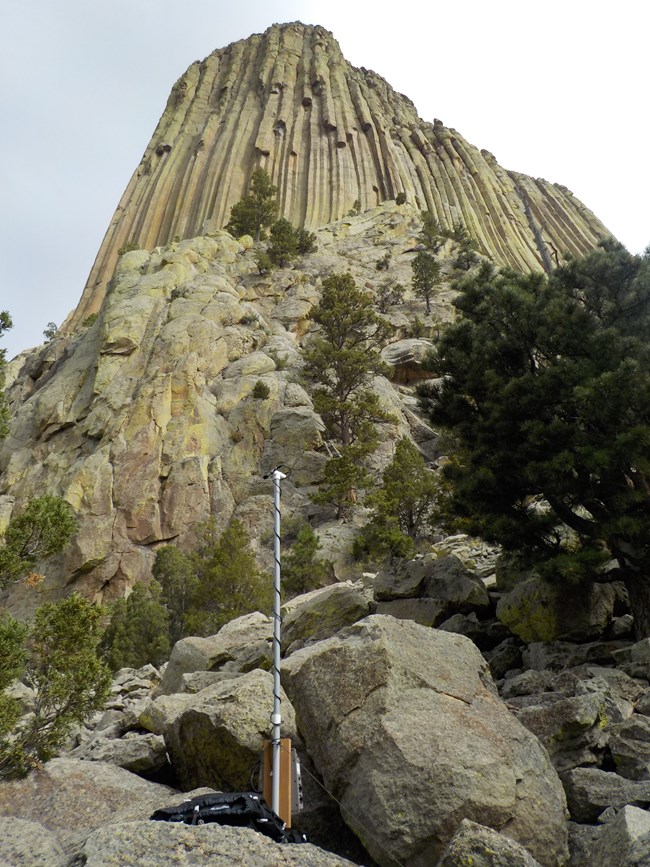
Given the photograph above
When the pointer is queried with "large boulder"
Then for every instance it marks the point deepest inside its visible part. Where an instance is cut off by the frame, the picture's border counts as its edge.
(405, 726)
(479, 846)
(71, 797)
(143, 754)
(625, 841)
(591, 791)
(539, 610)
(321, 613)
(166, 844)
(217, 738)
(232, 646)
(29, 844)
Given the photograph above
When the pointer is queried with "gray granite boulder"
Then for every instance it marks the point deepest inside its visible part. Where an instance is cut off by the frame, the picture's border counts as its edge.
(591, 791)
(539, 610)
(71, 797)
(321, 613)
(479, 846)
(165, 844)
(29, 844)
(216, 738)
(405, 726)
(231, 644)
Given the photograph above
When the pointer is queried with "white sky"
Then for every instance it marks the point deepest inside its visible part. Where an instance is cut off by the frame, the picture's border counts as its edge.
(557, 89)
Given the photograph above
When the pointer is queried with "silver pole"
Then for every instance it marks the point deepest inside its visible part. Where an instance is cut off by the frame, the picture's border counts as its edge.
(276, 718)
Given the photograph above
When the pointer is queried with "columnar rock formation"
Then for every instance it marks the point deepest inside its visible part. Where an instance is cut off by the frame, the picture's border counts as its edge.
(329, 135)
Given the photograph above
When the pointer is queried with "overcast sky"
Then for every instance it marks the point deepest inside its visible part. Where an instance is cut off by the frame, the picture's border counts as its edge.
(556, 90)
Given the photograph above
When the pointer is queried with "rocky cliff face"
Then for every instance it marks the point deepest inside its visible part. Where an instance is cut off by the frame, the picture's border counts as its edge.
(329, 135)
(145, 420)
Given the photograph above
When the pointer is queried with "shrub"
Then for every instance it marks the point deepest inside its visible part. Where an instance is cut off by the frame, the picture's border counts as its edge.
(261, 391)
(400, 199)
(128, 248)
(57, 658)
(139, 630)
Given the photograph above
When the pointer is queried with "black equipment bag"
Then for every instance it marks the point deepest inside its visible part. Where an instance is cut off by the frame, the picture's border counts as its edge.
(242, 809)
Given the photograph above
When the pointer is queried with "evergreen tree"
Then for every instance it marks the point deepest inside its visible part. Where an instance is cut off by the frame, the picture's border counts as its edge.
(302, 569)
(426, 276)
(59, 662)
(43, 529)
(305, 242)
(284, 243)
(139, 630)
(341, 360)
(229, 581)
(546, 385)
(431, 234)
(252, 214)
(402, 508)
(343, 357)
(176, 574)
(5, 325)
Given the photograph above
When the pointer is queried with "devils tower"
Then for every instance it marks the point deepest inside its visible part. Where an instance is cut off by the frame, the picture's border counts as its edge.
(329, 135)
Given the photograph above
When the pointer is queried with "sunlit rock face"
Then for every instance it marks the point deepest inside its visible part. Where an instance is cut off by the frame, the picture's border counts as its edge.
(329, 135)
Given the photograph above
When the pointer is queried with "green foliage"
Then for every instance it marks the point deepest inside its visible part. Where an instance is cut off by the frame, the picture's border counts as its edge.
(342, 359)
(466, 258)
(344, 476)
(256, 211)
(128, 248)
(5, 325)
(261, 391)
(176, 574)
(219, 581)
(400, 199)
(355, 210)
(431, 234)
(426, 276)
(139, 630)
(90, 320)
(302, 569)
(43, 529)
(230, 582)
(284, 244)
(50, 331)
(305, 242)
(263, 261)
(60, 662)
(458, 233)
(402, 508)
(383, 264)
(546, 386)
(389, 294)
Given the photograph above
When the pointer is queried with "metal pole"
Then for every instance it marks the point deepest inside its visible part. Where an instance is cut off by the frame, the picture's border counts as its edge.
(276, 718)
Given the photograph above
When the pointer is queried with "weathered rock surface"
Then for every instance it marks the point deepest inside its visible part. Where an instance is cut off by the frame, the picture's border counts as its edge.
(241, 644)
(590, 791)
(392, 712)
(624, 841)
(216, 739)
(321, 613)
(538, 610)
(71, 797)
(29, 844)
(479, 846)
(143, 754)
(328, 134)
(165, 844)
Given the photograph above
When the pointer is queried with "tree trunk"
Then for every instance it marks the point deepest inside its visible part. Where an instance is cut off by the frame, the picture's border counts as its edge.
(637, 585)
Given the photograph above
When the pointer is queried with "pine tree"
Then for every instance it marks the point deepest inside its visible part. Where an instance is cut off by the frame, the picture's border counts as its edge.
(545, 383)
(284, 243)
(426, 276)
(5, 325)
(175, 572)
(302, 569)
(252, 214)
(402, 508)
(139, 629)
(431, 234)
(57, 657)
(43, 529)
